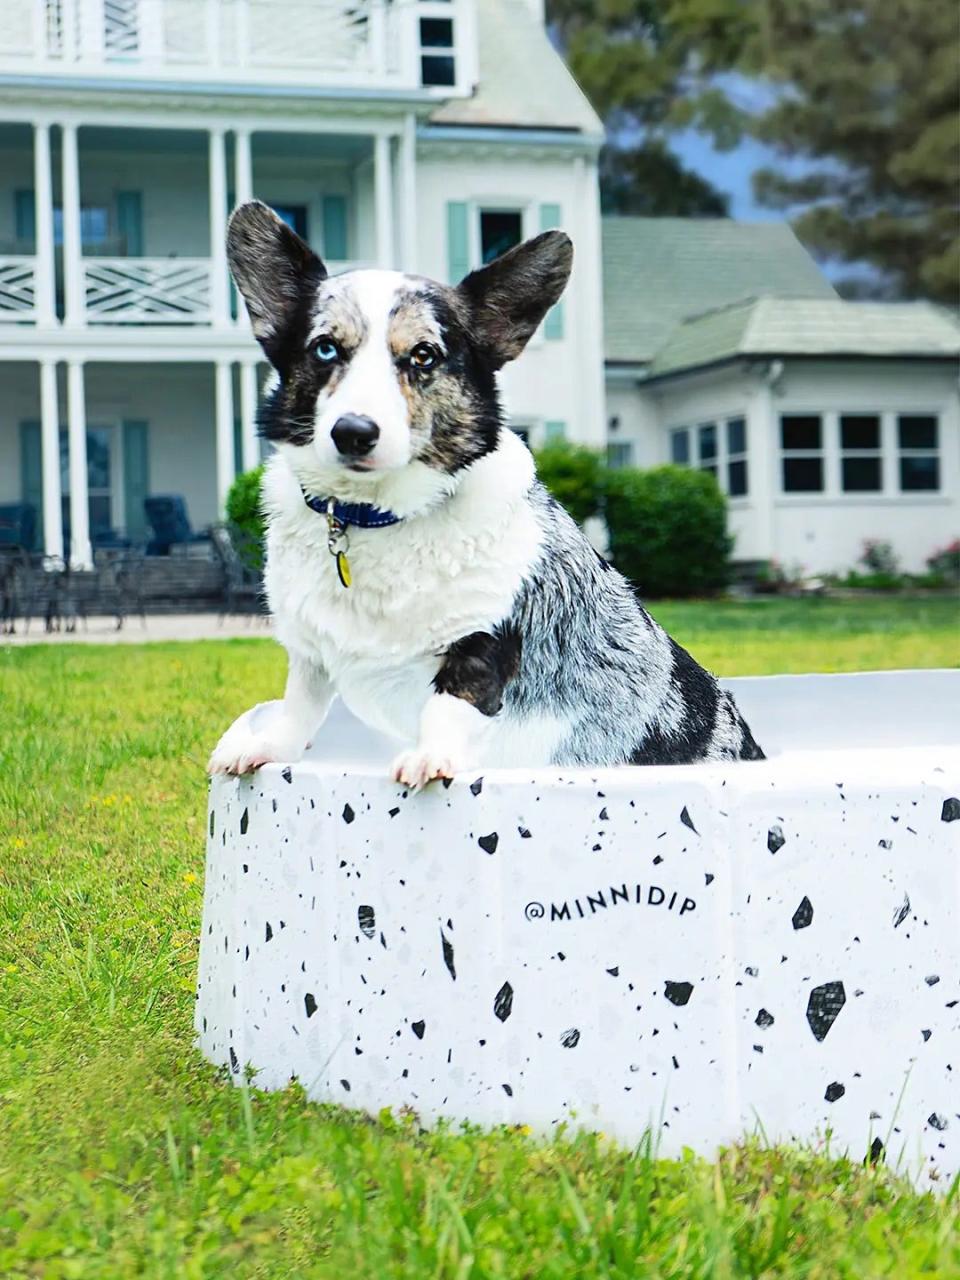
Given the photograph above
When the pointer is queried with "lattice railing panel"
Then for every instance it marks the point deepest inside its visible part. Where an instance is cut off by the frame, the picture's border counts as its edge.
(147, 290)
(18, 288)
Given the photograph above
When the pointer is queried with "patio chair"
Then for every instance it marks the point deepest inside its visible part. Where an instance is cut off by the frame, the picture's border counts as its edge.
(120, 582)
(33, 586)
(167, 516)
(240, 556)
(18, 525)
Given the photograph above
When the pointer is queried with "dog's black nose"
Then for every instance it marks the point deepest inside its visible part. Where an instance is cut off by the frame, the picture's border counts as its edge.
(355, 435)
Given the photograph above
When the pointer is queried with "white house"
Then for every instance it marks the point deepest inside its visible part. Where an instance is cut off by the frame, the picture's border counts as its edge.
(427, 135)
(826, 422)
(421, 134)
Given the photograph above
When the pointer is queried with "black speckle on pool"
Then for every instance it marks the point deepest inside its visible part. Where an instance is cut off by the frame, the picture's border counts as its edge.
(901, 912)
(503, 1002)
(570, 1039)
(687, 820)
(476, 787)
(951, 809)
(489, 843)
(348, 814)
(775, 838)
(310, 1004)
(244, 821)
(803, 916)
(447, 946)
(834, 1091)
(823, 1007)
(367, 920)
(678, 992)
(764, 1019)
(418, 1028)
(287, 774)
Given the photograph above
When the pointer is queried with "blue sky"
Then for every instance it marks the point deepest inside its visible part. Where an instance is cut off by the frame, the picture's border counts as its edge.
(728, 171)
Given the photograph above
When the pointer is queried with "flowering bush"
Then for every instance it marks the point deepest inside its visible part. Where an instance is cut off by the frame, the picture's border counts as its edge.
(880, 557)
(946, 561)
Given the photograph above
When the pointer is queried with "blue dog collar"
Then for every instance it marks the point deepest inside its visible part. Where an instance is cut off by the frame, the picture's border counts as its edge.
(362, 515)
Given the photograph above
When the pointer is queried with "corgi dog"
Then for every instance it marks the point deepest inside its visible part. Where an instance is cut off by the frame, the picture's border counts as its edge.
(416, 567)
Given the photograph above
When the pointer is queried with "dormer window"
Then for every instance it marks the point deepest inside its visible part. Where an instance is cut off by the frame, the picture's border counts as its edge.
(438, 65)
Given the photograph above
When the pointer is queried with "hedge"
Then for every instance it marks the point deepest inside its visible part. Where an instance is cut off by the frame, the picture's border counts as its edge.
(668, 530)
(244, 513)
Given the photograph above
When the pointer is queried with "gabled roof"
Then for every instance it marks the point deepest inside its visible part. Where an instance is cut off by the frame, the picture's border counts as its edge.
(659, 271)
(523, 83)
(809, 327)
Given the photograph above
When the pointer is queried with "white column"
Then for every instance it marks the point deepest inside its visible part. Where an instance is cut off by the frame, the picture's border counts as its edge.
(50, 453)
(224, 420)
(242, 166)
(72, 248)
(43, 202)
(408, 193)
(81, 556)
(219, 294)
(383, 200)
(249, 444)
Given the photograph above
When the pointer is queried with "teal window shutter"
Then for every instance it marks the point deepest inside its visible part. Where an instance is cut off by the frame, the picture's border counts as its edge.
(237, 447)
(554, 431)
(25, 216)
(551, 216)
(458, 241)
(31, 472)
(136, 476)
(335, 240)
(130, 221)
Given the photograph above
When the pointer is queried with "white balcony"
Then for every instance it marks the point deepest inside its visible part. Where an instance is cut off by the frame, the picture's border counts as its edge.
(369, 44)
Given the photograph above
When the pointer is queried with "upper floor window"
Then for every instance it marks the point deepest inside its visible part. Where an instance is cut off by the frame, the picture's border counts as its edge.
(438, 64)
(620, 454)
(801, 440)
(861, 460)
(295, 216)
(918, 446)
(680, 446)
(500, 230)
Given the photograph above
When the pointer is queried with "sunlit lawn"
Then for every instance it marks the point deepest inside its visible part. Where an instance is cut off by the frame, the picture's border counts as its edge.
(123, 1154)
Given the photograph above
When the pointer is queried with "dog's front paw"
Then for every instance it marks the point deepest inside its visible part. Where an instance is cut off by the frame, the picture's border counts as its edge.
(249, 743)
(420, 765)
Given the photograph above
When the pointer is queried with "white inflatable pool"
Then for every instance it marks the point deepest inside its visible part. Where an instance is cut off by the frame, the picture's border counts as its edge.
(701, 950)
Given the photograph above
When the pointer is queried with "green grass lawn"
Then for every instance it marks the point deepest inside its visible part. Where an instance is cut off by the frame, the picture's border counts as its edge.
(123, 1154)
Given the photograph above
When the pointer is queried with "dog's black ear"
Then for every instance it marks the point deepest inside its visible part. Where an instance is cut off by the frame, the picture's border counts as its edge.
(272, 266)
(510, 296)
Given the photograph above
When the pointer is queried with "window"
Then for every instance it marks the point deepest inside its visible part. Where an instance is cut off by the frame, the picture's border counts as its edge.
(620, 454)
(801, 441)
(861, 466)
(94, 225)
(917, 441)
(500, 230)
(437, 61)
(721, 449)
(736, 457)
(294, 215)
(99, 479)
(707, 447)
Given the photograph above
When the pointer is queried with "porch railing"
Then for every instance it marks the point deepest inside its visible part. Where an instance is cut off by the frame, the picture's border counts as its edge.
(18, 287)
(350, 42)
(147, 290)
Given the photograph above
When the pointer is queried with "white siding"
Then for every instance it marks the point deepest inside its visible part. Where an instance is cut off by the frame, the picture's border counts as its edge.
(558, 380)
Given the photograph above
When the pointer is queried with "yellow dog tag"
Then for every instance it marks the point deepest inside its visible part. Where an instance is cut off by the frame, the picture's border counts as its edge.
(343, 569)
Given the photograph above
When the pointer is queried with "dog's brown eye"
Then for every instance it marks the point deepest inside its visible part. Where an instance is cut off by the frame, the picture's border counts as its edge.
(423, 356)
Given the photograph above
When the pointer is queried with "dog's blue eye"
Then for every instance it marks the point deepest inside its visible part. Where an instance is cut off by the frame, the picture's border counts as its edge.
(326, 350)
(423, 356)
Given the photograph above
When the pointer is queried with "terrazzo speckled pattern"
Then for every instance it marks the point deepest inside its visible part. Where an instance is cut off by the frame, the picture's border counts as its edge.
(701, 950)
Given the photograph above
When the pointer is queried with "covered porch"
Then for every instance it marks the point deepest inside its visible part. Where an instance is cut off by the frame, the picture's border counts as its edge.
(85, 441)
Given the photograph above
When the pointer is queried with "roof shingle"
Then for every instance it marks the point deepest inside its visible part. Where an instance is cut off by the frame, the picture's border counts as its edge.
(659, 271)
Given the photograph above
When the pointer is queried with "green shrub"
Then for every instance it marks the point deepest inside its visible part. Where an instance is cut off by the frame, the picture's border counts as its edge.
(668, 530)
(244, 514)
(574, 475)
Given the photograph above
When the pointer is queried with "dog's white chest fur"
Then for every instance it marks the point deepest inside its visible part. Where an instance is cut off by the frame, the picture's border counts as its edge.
(418, 586)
